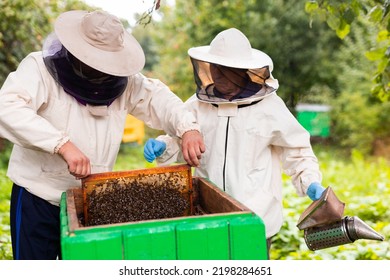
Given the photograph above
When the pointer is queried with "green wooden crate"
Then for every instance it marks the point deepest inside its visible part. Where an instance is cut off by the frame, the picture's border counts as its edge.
(229, 231)
(315, 118)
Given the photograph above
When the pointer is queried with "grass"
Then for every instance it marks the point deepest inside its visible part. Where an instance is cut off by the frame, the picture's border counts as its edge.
(361, 183)
(5, 237)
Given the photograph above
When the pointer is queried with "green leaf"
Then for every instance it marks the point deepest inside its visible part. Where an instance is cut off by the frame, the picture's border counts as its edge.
(383, 35)
(383, 64)
(343, 29)
(356, 6)
(333, 21)
(375, 14)
(349, 16)
(311, 6)
(376, 54)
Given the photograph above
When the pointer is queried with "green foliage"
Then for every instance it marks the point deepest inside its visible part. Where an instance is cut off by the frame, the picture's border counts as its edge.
(149, 48)
(353, 120)
(302, 54)
(341, 14)
(5, 151)
(359, 120)
(5, 237)
(23, 27)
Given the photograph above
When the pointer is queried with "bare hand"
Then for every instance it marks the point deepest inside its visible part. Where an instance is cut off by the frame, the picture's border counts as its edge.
(78, 163)
(192, 147)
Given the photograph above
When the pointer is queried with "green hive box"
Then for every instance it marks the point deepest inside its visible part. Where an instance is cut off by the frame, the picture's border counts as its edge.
(229, 231)
(315, 118)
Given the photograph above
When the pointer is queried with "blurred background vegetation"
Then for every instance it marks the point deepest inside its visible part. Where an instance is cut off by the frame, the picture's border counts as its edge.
(333, 53)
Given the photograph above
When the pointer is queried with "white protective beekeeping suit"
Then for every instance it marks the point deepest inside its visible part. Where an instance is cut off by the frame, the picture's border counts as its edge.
(250, 139)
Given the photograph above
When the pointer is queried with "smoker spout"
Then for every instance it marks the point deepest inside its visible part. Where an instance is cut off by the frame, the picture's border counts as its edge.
(357, 229)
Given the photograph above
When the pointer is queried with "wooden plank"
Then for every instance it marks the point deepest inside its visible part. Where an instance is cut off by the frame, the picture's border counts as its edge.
(179, 177)
(73, 221)
(93, 179)
(206, 195)
(213, 200)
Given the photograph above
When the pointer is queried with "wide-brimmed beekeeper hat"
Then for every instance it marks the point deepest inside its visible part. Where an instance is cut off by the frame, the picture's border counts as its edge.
(232, 48)
(99, 40)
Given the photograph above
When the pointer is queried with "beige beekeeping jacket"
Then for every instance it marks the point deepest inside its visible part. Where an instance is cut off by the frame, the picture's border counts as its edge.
(38, 117)
(247, 148)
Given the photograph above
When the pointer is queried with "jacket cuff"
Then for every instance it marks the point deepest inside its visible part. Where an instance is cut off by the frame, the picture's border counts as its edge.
(62, 142)
(185, 128)
(306, 181)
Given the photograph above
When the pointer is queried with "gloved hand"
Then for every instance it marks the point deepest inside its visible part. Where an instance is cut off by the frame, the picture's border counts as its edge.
(153, 148)
(315, 191)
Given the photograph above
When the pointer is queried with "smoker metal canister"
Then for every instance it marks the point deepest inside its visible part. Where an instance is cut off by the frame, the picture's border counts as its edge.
(345, 231)
(326, 210)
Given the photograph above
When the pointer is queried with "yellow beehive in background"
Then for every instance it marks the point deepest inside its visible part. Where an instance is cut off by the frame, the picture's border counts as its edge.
(134, 130)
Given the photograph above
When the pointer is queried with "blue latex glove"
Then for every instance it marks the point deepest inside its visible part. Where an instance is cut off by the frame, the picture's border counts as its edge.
(315, 191)
(153, 148)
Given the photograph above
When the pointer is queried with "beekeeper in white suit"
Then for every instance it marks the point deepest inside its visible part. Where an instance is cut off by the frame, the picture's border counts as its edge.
(65, 108)
(249, 133)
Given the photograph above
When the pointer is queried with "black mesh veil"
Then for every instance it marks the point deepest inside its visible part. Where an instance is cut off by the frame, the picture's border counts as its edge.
(213, 81)
(88, 87)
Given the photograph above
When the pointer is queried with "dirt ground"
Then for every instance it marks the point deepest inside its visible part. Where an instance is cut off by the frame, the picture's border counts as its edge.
(382, 148)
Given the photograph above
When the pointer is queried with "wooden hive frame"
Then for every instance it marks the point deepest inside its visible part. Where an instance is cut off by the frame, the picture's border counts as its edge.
(211, 199)
(179, 175)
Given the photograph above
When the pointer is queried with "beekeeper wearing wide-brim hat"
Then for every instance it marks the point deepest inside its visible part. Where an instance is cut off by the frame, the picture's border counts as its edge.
(250, 135)
(232, 49)
(65, 109)
(99, 40)
(91, 56)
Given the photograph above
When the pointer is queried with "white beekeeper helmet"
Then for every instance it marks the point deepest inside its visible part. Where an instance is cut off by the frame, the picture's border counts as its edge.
(232, 49)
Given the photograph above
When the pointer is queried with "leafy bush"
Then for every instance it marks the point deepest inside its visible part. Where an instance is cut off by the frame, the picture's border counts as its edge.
(358, 121)
(5, 151)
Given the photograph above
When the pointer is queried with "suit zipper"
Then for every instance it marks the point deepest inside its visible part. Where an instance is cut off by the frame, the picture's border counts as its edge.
(225, 156)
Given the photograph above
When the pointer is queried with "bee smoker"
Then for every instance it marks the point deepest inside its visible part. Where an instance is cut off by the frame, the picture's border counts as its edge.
(347, 230)
(324, 226)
